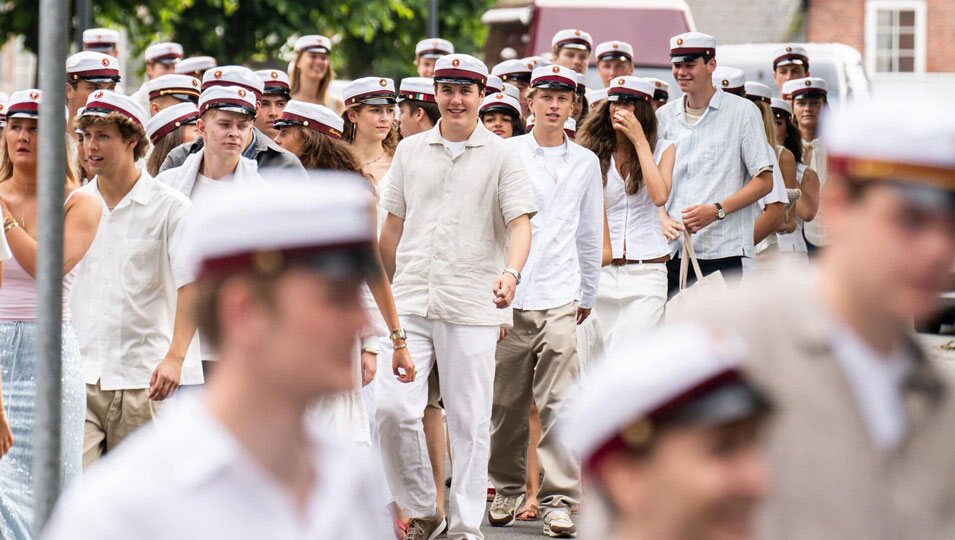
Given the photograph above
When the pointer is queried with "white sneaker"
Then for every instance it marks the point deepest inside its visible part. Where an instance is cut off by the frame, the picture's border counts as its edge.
(557, 524)
(503, 510)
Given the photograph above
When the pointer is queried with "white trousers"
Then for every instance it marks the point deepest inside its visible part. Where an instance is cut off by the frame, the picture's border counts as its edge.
(465, 359)
(630, 300)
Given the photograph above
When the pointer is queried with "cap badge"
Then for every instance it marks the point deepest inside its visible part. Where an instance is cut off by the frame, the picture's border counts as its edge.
(725, 83)
(808, 82)
(656, 84)
(576, 32)
(36, 95)
(615, 45)
(98, 95)
(217, 74)
(679, 41)
(274, 74)
(382, 83)
(106, 62)
(178, 123)
(789, 49)
(498, 96)
(195, 83)
(241, 93)
(530, 65)
(455, 62)
(556, 69)
(620, 82)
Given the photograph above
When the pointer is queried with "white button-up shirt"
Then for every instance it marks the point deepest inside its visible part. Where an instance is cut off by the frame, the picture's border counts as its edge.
(188, 478)
(815, 232)
(124, 296)
(633, 219)
(714, 159)
(455, 211)
(567, 231)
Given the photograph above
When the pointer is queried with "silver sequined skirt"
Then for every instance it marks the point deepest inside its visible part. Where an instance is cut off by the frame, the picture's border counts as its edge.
(18, 369)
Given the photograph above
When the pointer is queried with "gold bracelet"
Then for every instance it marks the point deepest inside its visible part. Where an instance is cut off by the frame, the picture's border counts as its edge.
(402, 346)
(9, 223)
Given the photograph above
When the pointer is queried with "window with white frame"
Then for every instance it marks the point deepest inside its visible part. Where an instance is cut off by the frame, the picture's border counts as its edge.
(895, 36)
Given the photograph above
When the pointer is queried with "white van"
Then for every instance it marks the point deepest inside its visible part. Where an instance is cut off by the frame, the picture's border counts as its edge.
(840, 65)
(521, 28)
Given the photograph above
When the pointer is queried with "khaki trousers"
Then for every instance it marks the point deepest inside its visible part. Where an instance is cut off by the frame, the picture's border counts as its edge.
(111, 415)
(536, 362)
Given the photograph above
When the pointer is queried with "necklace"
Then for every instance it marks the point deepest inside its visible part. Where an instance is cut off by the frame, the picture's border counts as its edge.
(374, 160)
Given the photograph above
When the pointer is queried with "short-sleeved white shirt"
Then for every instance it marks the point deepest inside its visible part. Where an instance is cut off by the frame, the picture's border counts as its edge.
(715, 158)
(124, 296)
(188, 478)
(455, 212)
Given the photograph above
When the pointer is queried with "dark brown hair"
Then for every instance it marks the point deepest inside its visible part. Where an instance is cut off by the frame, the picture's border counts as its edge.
(319, 151)
(162, 148)
(598, 135)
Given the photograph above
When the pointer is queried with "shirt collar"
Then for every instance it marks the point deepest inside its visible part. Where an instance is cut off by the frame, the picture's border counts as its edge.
(140, 192)
(538, 150)
(715, 102)
(479, 137)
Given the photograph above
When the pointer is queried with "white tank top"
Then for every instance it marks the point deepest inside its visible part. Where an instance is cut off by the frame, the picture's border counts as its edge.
(634, 220)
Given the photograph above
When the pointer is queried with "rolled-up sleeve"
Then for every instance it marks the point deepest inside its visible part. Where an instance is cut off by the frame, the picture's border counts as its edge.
(756, 152)
(516, 195)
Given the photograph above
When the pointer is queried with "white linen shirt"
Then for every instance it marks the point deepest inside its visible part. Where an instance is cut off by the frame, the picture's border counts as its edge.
(455, 212)
(188, 478)
(815, 230)
(124, 296)
(634, 221)
(714, 159)
(567, 232)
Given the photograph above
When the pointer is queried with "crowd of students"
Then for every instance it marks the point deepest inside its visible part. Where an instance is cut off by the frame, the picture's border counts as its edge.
(477, 241)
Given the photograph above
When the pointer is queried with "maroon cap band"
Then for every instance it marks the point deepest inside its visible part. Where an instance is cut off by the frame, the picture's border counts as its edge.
(576, 41)
(222, 82)
(629, 92)
(216, 103)
(271, 261)
(312, 124)
(31, 107)
(183, 120)
(556, 79)
(684, 51)
(460, 74)
(95, 73)
(369, 95)
(101, 106)
(792, 56)
(173, 91)
(282, 85)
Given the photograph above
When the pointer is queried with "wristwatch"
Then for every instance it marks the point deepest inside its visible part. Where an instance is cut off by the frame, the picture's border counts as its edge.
(399, 333)
(515, 273)
(720, 213)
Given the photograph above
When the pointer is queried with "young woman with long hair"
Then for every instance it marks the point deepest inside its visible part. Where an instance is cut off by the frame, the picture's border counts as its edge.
(311, 73)
(637, 167)
(369, 120)
(790, 239)
(501, 114)
(18, 308)
(168, 129)
(313, 133)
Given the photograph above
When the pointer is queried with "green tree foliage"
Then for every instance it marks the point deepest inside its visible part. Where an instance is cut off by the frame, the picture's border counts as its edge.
(374, 36)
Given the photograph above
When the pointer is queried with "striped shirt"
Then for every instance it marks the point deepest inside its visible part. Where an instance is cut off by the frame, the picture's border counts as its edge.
(714, 159)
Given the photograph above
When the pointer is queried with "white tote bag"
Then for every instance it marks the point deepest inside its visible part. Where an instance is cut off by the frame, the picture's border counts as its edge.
(704, 284)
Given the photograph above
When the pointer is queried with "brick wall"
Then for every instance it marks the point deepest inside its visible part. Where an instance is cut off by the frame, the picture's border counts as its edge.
(940, 36)
(840, 21)
(843, 21)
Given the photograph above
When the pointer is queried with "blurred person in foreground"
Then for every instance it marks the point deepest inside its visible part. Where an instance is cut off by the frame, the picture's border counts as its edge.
(667, 429)
(280, 270)
(864, 434)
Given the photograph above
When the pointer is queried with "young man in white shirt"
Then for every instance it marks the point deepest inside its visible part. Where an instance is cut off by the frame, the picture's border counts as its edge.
(280, 296)
(723, 164)
(129, 298)
(456, 237)
(537, 361)
(614, 59)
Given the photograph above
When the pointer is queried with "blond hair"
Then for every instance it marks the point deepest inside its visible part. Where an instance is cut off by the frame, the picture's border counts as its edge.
(6, 164)
(295, 80)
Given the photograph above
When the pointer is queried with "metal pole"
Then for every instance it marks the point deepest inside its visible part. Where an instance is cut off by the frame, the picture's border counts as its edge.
(49, 278)
(83, 17)
(433, 18)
